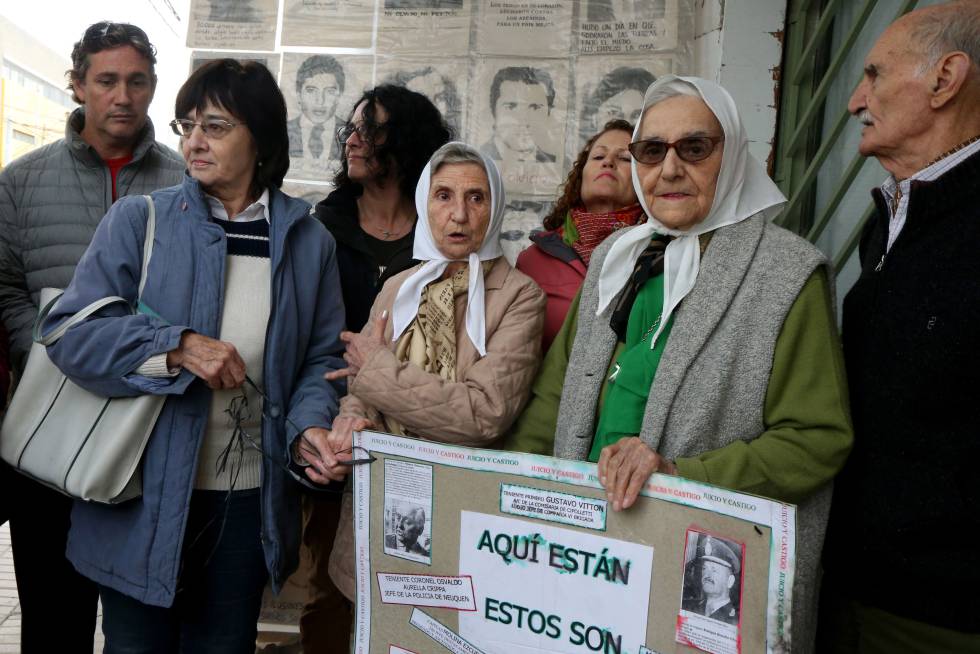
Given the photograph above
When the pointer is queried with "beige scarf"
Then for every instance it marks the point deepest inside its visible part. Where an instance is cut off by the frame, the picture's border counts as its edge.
(430, 339)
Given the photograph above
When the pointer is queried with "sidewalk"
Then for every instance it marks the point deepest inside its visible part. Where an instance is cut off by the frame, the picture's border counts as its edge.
(9, 607)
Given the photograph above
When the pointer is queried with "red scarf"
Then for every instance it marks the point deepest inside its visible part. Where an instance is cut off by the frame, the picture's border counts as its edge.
(594, 228)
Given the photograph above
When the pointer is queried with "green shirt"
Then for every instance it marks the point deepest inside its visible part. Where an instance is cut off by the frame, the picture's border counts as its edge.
(807, 431)
(628, 386)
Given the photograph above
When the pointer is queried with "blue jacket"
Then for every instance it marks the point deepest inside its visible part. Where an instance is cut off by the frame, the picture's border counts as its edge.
(135, 547)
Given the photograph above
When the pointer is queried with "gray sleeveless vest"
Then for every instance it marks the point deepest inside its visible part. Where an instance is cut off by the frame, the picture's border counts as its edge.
(710, 387)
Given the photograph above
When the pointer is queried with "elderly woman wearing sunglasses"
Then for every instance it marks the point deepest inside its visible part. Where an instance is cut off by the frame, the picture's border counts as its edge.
(703, 342)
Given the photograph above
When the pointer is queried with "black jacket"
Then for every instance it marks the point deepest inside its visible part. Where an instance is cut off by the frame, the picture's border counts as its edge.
(361, 278)
(906, 514)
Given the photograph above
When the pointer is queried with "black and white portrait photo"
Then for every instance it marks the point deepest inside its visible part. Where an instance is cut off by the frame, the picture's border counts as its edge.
(320, 83)
(521, 102)
(712, 577)
(406, 535)
(436, 85)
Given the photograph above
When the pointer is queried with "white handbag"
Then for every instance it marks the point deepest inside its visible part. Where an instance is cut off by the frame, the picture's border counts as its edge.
(76, 442)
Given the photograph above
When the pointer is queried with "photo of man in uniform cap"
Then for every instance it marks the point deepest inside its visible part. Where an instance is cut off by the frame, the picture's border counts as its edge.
(720, 568)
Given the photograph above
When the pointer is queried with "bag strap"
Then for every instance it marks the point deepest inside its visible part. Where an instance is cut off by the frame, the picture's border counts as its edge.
(151, 228)
(84, 313)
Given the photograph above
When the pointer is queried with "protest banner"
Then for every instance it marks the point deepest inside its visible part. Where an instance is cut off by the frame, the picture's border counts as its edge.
(482, 551)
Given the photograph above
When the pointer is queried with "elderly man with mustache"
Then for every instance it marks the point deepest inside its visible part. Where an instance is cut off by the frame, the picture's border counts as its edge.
(910, 329)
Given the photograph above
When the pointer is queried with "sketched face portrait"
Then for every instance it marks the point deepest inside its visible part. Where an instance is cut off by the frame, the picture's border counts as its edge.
(521, 221)
(318, 96)
(618, 94)
(520, 113)
(433, 86)
(627, 105)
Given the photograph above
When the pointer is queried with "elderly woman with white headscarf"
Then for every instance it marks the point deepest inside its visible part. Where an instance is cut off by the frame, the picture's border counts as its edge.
(703, 342)
(456, 360)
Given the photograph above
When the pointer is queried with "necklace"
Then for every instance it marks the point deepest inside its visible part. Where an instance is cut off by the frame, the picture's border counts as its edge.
(651, 328)
(954, 150)
(388, 234)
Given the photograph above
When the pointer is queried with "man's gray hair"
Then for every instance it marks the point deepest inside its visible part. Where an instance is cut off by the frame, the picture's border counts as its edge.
(455, 153)
(955, 28)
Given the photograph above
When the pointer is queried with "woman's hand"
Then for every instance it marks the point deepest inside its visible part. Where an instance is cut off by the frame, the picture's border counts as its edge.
(624, 468)
(216, 362)
(324, 449)
(360, 346)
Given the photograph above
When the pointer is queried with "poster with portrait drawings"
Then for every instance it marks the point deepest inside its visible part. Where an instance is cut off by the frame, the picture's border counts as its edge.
(629, 26)
(328, 23)
(531, 28)
(232, 24)
(413, 26)
(517, 116)
(320, 91)
(444, 80)
(270, 60)
(612, 87)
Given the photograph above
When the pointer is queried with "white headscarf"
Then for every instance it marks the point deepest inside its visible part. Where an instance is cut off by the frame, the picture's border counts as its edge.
(410, 294)
(743, 190)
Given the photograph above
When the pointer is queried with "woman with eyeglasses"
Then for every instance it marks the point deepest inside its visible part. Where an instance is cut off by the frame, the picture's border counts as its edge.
(238, 322)
(703, 342)
(386, 141)
(597, 199)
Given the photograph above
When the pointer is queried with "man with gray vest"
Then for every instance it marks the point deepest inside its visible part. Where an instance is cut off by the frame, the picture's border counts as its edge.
(902, 562)
(51, 201)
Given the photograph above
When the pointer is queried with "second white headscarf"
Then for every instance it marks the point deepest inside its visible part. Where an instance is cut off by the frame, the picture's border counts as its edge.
(743, 190)
(406, 305)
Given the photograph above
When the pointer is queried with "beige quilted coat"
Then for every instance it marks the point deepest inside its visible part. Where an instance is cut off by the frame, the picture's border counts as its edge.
(475, 410)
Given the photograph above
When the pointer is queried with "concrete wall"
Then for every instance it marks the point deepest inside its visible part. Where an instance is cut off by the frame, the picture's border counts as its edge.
(739, 44)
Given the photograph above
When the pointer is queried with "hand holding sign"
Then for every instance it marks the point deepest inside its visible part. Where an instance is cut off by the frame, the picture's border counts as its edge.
(625, 466)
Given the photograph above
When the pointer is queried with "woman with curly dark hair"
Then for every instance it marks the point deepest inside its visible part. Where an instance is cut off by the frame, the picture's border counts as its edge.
(386, 142)
(597, 199)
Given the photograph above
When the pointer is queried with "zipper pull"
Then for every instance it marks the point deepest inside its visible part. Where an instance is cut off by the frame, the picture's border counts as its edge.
(880, 264)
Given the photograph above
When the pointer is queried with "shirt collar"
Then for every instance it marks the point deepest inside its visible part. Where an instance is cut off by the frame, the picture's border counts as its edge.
(930, 172)
(255, 211)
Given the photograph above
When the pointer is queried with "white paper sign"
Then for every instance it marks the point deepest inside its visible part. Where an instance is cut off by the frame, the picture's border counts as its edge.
(441, 634)
(553, 506)
(605, 588)
(427, 590)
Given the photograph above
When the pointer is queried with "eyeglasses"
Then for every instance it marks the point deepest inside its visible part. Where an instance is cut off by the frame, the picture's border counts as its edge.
(691, 149)
(365, 132)
(213, 128)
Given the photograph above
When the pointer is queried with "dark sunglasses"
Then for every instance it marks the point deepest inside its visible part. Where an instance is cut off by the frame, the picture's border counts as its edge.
(691, 149)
